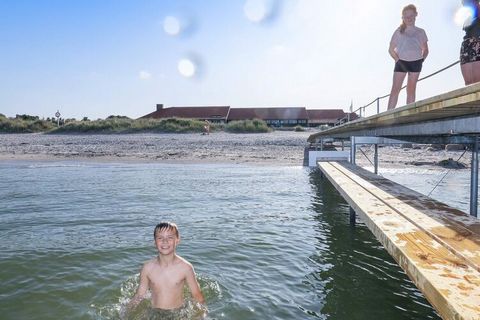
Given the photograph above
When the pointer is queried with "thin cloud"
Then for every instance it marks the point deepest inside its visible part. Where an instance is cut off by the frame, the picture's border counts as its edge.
(144, 75)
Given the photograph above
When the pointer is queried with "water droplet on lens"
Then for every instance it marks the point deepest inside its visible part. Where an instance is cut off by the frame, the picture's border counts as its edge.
(259, 10)
(187, 67)
(171, 25)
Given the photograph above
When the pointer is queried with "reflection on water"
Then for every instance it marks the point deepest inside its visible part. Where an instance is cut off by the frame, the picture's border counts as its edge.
(266, 242)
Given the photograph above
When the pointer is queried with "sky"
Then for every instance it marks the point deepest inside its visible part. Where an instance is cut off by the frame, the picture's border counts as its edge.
(95, 58)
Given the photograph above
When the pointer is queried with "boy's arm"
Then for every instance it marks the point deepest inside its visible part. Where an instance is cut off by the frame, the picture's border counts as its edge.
(141, 290)
(193, 285)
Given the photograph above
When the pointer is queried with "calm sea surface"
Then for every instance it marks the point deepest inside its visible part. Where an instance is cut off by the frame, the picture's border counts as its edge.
(266, 242)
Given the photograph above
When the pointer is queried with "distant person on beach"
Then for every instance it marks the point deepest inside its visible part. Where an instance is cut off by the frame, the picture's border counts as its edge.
(470, 49)
(167, 274)
(409, 49)
(206, 127)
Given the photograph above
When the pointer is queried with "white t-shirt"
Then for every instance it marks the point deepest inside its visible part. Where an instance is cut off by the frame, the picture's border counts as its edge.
(408, 45)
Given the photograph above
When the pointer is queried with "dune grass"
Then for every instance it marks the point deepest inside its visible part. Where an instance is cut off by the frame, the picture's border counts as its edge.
(247, 126)
(122, 124)
(126, 125)
(24, 125)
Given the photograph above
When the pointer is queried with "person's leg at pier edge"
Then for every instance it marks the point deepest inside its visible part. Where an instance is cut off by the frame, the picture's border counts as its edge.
(398, 78)
(412, 86)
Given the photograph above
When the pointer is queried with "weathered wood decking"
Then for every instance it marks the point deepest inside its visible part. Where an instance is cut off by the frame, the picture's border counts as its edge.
(437, 246)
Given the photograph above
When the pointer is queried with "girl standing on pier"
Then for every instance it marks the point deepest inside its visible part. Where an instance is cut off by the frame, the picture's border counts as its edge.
(409, 49)
(470, 50)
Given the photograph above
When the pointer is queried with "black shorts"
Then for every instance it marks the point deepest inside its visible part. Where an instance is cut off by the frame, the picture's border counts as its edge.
(470, 50)
(408, 66)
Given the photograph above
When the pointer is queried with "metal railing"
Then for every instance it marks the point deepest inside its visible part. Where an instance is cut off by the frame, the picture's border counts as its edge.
(377, 100)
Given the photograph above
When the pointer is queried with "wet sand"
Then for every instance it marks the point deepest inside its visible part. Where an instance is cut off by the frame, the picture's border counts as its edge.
(275, 148)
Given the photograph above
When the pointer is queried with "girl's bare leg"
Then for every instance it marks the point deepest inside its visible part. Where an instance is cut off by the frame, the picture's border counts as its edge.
(398, 78)
(412, 86)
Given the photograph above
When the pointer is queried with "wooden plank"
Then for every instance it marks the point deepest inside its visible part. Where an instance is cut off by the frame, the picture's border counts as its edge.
(456, 230)
(441, 268)
(458, 103)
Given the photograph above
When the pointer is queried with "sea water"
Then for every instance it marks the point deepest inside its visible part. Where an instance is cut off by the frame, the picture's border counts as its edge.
(266, 242)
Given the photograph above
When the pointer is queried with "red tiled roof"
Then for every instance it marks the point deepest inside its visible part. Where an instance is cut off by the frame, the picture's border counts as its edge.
(268, 113)
(326, 115)
(218, 112)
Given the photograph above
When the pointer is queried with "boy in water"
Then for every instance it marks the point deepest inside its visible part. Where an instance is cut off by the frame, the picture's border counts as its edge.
(166, 274)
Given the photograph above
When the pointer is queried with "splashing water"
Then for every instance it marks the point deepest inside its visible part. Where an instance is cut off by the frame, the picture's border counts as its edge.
(191, 309)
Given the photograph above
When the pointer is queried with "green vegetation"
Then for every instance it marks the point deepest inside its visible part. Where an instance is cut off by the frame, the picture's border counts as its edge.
(24, 124)
(299, 129)
(247, 126)
(121, 124)
(117, 124)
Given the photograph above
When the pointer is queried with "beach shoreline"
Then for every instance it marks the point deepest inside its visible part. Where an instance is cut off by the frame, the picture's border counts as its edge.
(284, 148)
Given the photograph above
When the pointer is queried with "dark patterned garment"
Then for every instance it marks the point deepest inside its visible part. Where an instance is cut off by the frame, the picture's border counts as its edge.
(470, 49)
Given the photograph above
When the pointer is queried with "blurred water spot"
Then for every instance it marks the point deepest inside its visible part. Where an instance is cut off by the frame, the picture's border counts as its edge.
(171, 25)
(187, 67)
(260, 11)
(191, 66)
(180, 25)
(464, 16)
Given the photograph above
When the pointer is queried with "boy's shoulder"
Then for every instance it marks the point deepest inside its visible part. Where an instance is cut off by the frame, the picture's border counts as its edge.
(183, 262)
(150, 263)
(180, 262)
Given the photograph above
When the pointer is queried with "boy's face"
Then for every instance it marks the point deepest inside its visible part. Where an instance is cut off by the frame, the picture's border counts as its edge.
(166, 241)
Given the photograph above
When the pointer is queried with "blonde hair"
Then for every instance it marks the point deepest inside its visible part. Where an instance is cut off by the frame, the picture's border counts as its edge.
(166, 225)
(412, 7)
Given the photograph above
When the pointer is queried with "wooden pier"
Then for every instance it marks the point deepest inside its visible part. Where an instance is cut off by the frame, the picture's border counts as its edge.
(437, 246)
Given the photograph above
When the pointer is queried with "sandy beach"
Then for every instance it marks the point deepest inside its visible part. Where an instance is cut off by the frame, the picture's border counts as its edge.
(275, 148)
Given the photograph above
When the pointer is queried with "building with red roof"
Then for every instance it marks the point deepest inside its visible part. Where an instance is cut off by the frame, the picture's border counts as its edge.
(216, 114)
(273, 116)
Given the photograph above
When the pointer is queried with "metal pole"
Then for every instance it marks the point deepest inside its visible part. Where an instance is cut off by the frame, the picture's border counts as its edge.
(375, 159)
(352, 216)
(353, 149)
(474, 180)
(378, 107)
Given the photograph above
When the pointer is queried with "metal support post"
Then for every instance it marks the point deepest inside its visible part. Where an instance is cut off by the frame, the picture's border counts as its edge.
(474, 180)
(378, 105)
(353, 149)
(352, 216)
(375, 159)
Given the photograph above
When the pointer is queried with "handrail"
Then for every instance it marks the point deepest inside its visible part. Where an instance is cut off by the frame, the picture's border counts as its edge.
(377, 100)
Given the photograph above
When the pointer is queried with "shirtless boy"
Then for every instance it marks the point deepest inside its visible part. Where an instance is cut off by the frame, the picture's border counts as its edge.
(167, 274)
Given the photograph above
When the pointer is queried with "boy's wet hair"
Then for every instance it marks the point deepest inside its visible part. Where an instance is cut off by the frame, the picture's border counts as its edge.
(166, 226)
